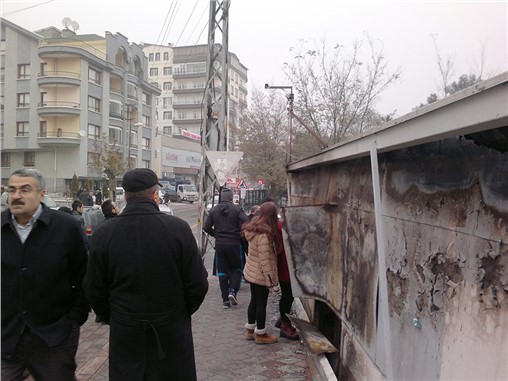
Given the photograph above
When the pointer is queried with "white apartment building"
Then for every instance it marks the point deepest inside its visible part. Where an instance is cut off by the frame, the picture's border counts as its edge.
(63, 93)
(181, 76)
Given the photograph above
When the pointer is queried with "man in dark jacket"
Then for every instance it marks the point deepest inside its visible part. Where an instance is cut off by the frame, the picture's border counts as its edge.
(43, 264)
(225, 224)
(146, 278)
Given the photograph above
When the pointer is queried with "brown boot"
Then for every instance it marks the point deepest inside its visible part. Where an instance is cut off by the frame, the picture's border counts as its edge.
(249, 335)
(249, 331)
(263, 338)
(288, 331)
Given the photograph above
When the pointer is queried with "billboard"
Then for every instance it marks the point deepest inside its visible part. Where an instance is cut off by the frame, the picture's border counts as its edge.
(180, 158)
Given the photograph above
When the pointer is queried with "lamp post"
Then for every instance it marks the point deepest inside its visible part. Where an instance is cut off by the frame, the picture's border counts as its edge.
(290, 97)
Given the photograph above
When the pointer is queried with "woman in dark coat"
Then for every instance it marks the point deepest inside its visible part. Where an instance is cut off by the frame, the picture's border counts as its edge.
(146, 278)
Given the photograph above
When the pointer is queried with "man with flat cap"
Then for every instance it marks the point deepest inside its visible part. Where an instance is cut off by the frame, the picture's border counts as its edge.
(146, 278)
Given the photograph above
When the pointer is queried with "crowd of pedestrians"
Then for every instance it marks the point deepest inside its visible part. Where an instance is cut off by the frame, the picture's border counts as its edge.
(141, 272)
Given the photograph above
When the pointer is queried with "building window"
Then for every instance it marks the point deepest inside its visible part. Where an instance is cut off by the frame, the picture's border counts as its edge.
(199, 85)
(168, 70)
(150, 57)
(43, 128)
(29, 159)
(134, 139)
(147, 99)
(23, 99)
(167, 86)
(154, 72)
(168, 115)
(94, 76)
(94, 104)
(166, 57)
(94, 132)
(145, 143)
(146, 120)
(167, 130)
(146, 164)
(132, 161)
(6, 159)
(182, 115)
(115, 135)
(23, 71)
(157, 56)
(182, 85)
(167, 102)
(21, 128)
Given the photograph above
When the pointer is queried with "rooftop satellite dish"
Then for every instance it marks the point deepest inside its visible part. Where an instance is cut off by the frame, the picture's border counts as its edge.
(66, 22)
(75, 25)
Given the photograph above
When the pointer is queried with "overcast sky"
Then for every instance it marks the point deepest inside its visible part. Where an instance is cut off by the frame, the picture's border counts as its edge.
(261, 32)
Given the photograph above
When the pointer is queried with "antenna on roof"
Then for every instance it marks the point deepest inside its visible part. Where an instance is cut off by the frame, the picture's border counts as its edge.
(66, 22)
(74, 25)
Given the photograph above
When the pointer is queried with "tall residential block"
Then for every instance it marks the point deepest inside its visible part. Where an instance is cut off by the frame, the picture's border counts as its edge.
(181, 75)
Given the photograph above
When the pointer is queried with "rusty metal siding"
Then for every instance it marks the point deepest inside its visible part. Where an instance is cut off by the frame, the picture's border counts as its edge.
(445, 216)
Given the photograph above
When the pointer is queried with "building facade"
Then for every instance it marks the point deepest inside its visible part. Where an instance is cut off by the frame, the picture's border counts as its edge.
(181, 76)
(63, 95)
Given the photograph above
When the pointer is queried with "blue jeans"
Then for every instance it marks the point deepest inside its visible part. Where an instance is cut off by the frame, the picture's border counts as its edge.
(44, 363)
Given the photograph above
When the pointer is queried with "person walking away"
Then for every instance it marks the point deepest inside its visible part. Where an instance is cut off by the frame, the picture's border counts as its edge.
(261, 270)
(166, 198)
(98, 197)
(286, 300)
(224, 222)
(145, 279)
(86, 198)
(109, 209)
(44, 261)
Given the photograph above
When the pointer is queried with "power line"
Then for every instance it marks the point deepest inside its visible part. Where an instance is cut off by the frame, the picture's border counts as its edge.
(24, 9)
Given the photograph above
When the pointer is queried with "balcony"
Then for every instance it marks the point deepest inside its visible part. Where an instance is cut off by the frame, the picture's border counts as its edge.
(59, 138)
(56, 108)
(187, 106)
(58, 78)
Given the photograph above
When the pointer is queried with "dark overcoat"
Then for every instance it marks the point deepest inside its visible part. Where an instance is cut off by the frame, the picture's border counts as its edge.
(146, 277)
(42, 278)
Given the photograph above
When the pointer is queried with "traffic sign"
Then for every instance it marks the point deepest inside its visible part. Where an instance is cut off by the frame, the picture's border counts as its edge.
(242, 184)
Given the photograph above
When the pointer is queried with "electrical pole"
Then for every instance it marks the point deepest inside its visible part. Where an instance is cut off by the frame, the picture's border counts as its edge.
(214, 133)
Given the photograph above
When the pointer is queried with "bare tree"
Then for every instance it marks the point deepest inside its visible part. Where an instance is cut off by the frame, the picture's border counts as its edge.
(108, 160)
(336, 89)
(263, 139)
(446, 66)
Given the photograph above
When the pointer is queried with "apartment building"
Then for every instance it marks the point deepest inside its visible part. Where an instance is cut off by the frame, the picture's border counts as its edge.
(181, 75)
(62, 94)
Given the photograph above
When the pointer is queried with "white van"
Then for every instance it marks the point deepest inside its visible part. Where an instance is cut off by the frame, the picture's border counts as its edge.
(119, 192)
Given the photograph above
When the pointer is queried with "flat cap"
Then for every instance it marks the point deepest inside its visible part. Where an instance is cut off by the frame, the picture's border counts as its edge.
(139, 179)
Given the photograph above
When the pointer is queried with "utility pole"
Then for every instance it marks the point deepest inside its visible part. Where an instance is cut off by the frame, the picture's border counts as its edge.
(215, 131)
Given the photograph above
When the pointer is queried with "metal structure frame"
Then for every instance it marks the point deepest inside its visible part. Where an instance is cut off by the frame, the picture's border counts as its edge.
(214, 133)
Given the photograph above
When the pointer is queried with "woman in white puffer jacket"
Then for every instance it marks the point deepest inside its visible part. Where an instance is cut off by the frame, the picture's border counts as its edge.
(261, 270)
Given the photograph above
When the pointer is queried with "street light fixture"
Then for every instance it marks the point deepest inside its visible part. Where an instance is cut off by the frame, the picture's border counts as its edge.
(290, 97)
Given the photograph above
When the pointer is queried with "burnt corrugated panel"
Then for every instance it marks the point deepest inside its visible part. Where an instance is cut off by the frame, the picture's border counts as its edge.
(445, 216)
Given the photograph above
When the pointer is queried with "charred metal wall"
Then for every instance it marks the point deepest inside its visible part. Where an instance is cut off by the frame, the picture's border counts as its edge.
(445, 216)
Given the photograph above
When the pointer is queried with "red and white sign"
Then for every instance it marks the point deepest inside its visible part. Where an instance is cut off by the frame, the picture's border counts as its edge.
(191, 135)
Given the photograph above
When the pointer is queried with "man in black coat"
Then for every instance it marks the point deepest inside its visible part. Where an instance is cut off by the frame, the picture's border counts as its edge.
(43, 264)
(225, 224)
(146, 278)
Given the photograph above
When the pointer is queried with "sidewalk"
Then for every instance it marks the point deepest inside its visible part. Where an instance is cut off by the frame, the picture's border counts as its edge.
(222, 353)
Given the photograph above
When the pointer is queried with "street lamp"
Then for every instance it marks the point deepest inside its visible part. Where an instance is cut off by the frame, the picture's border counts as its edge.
(290, 97)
